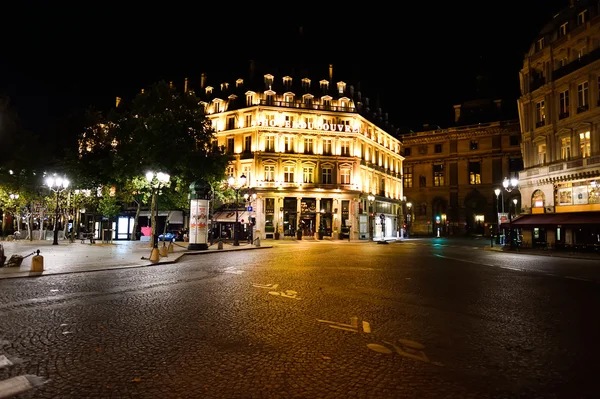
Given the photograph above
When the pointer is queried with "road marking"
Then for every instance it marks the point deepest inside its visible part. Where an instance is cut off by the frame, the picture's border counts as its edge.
(464, 260)
(232, 270)
(577, 278)
(353, 326)
(286, 294)
(379, 348)
(269, 286)
(366, 327)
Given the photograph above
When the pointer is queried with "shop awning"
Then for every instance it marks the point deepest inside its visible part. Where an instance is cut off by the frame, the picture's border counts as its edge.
(229, 216)
(555, 219)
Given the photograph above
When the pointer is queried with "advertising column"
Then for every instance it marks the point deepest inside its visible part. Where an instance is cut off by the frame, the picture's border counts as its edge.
(199, 209)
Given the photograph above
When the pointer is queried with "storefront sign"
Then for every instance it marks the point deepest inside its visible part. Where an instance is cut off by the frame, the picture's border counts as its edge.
(331, 127)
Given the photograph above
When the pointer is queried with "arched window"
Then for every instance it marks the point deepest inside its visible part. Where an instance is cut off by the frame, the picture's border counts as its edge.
(538, 199)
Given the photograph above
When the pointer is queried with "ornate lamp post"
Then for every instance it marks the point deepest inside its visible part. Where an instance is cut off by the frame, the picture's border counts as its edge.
(250, 198)
(408, 218)
(57, 185)
(14, 197)
(371, 198)
(510, 185)
(236, 188)
(156, 181)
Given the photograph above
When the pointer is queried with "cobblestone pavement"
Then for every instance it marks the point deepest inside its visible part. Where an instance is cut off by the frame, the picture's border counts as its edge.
(308, 320)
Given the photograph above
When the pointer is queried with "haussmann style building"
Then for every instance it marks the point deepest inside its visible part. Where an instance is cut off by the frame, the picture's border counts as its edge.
(559, 112)
(316, 158)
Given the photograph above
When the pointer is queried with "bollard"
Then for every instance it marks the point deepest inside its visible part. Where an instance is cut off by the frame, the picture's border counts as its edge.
(220, 245)
(37, 263)
(155, 255)
(257, 242)
(163, 250)
(170, 248)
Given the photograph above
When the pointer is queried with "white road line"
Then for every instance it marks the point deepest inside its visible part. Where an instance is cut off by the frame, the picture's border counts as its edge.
(578, 278)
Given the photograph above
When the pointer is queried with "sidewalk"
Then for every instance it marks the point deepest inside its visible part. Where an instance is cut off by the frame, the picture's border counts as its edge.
(77, 257)
(547, 252)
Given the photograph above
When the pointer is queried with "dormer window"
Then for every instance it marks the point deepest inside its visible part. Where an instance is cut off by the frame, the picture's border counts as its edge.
(324, 85)
(269, 80)
(224, 86)
(326, 102)
(306, 83)
(288, 98)
(239, 83)
(250, 98)
(209, 89)
(539, 44)
(341, 86)
(217, 105)
(308, 100)
(582, 18)
(270, 97)
(344, 103)
(287, 81)
(562, 31)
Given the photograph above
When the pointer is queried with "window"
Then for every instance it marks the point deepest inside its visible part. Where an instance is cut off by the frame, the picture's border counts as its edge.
(474, 145)
(514, 140)
(584, 144)
(565, 148)
(326, 176)
(326, 103)
(345, 176)
(539, 44)
(345, 148)
(598, 90)
(248, 144)
(474, 172)
(438, 148)
(306, 83)
(308, 101)
(407, 152)
(562, 62)
(581, 52)
(422, 181)
(287, 81)
(563, 104)
(438, 175)
(408, 176)
(562, 31)
(248, 120)
(308, 146)
(582, 97)
(270, 143)
(288, 144)
(582, 17)
(308, 173)
(269, 172)
(327, 146)
(540, 114)
(270, 99)
(230, 123)
(542, 154)
(216, 107)
(289, 121)
(288, 98)
(230, 145)
(288, 174)
(249, 100)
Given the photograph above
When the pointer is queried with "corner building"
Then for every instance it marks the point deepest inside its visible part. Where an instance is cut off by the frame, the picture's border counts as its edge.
(559, 111)
(312, 151)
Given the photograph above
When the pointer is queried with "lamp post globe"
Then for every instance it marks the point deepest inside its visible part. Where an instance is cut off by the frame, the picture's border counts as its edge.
(57, 185)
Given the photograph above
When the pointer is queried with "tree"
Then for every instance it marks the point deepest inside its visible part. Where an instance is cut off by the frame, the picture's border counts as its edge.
(161, 130)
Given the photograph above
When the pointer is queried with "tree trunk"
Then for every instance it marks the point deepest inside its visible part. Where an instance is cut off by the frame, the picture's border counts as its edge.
(29, 227)
(153, 220)
(135, 221)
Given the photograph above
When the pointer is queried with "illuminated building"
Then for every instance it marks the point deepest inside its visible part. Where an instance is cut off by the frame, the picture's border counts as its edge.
(311, 150)
(450, 174)
(559, 111)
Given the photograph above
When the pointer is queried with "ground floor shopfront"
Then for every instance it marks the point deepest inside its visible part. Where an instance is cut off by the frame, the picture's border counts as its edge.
(572, 230)
(311, 215)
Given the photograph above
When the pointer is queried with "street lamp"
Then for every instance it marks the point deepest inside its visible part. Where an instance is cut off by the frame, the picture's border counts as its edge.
(57, 185)
(371, 198)
(408, 218)
(250, 198)
(156, 181)
(510, 185)
(498, 192)
(241, 183)
(15, 197)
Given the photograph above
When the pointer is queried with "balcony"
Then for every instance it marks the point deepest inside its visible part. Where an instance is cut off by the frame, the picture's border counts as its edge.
(576, 64)
(563, 115)
(301, 105)
(540, 123)
(537, 82)
(583, 108)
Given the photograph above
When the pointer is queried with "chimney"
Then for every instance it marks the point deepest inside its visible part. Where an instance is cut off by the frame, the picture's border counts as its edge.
(359, 94)
(252, 69)
(185, 85)
(367, 101)
(456, 113)
(330, 72)
(202, 80)
(351, 91)
(118, 102)
(385, 117)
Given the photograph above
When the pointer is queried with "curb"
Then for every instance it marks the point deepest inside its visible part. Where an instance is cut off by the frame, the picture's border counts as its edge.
(550, 254)
(159, 263)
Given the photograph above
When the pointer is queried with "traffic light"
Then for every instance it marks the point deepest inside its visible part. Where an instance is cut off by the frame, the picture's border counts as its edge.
(438, 219)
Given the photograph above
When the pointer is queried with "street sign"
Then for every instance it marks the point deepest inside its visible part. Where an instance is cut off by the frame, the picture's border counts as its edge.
(250, 209)
(382, 216)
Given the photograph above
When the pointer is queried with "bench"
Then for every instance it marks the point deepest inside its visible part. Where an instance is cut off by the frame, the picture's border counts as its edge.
(85, 236)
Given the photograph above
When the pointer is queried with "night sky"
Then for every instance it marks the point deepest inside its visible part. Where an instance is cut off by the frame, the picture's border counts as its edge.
(417, 58)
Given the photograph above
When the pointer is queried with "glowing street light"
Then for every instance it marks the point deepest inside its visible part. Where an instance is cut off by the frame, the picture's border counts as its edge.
(236, 188)
(57, 185)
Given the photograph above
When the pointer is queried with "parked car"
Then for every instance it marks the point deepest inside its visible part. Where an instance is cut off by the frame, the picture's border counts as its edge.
(171, 236)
